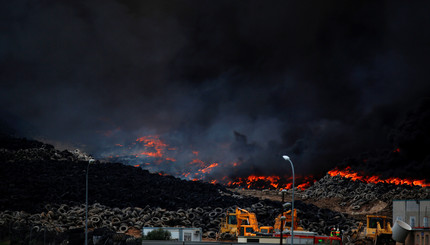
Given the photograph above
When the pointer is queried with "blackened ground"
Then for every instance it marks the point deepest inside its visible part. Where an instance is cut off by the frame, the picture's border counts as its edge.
(33, 174)
(48, 185)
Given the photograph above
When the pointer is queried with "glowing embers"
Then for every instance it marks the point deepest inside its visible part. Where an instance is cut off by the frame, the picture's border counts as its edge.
(350, 174)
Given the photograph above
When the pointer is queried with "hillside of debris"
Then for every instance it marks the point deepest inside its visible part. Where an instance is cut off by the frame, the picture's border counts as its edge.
(357, 197)
(43, 195)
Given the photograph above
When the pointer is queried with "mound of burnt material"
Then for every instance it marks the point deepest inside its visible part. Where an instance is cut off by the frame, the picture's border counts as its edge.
(43, 195)
(357, 193)
(37, 174)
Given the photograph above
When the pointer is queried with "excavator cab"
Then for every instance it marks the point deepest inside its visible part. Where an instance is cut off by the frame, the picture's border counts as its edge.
(232, 219)
(374, 220)
(266, 229)
(287, 222)
(229, 224)
(246, 230)
(239, 223)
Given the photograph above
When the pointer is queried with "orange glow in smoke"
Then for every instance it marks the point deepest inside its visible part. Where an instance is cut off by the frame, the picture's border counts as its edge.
(350, 174)
(209, 168)
(154, 142)
(197, 161)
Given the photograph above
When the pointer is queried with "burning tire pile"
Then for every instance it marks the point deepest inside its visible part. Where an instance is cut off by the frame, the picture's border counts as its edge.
(356, 194)
(43, 197)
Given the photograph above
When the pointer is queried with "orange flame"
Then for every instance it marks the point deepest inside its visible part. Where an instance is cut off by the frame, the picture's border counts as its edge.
(271, 182)
(153, 141)
(350, 174)
(208, 169)
(199, 170)
(254, 180)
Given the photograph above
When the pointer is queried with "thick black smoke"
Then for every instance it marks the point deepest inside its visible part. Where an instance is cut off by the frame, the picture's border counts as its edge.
(409, 157)
(318, 81)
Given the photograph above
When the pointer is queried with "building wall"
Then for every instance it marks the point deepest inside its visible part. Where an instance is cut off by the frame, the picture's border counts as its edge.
(178, 233)
(418, 238)
(416, 214)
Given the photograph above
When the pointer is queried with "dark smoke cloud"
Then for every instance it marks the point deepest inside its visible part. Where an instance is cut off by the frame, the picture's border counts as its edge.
(319, 80)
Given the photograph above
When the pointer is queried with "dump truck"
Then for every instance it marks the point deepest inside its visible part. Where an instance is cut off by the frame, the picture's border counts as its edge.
(376, 231)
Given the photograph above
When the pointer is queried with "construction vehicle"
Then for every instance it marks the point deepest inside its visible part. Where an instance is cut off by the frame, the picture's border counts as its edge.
(287, 221)
(266, 230)
(376, 231)
(239, 223)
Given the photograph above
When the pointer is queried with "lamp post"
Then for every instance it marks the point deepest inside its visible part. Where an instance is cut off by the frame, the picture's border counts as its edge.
(86, 200)
(283, 218)
(287, 158)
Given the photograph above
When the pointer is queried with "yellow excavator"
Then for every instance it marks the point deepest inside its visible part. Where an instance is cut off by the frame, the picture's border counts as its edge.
(287, 221)
(239, 223)
(376, 231)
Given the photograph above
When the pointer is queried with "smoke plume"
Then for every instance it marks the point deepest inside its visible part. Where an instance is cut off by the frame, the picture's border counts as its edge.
(241, 83)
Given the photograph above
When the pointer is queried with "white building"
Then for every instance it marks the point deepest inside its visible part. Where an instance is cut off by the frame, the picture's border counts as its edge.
(179, 233)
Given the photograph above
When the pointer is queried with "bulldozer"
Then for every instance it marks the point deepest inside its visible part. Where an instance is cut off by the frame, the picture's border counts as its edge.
(239, 223)
(376, 231)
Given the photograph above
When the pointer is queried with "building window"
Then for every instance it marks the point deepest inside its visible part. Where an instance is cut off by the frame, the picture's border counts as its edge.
(412, 221)
(187, 236)
(417, 239)
(399, 218)
(426, 222)
(427, 240)
(412, 206)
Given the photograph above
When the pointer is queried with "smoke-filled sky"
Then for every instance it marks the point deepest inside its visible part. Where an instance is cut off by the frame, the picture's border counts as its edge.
(237, 81)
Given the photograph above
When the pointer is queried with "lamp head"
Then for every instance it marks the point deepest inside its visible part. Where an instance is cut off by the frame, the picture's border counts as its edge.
(286, 205)
(287, 158)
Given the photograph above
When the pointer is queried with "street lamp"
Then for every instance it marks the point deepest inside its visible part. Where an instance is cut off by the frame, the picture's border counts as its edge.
(283, 218)
(86, 200)
(287, 158)
(282, 212)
